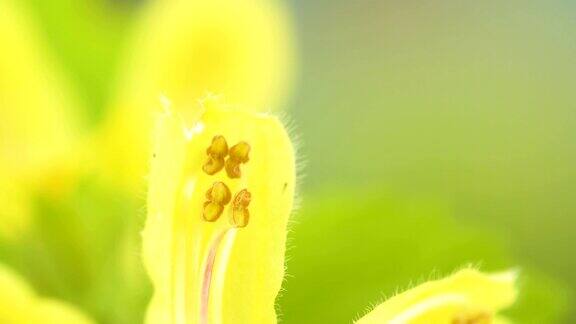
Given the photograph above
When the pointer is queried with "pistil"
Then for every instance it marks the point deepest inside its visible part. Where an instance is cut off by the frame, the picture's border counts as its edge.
(207, 275)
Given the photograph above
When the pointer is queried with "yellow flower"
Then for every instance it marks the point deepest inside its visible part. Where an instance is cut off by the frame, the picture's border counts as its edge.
(21, 305)
(221, 190)
(219, 199)
(186, 50)
(37, 121)
(466, 297)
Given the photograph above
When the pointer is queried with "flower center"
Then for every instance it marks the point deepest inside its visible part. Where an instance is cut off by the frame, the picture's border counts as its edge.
(218, 197)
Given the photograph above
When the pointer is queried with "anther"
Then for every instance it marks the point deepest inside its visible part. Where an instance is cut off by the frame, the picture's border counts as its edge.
(238, 154)
(217, 197)
(216, 152)
(219, 147)
(212, 211)
(219, 193)
(240, 214)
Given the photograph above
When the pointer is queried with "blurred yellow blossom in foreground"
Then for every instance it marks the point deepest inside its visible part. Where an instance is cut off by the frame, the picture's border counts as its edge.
(38, 126)
(19, 304)
(186, 50)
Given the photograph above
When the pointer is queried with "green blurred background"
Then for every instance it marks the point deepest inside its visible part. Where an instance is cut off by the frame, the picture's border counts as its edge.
(435, 134)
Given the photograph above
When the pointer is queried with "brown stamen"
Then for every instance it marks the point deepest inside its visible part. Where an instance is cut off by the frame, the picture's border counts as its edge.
(216, 152)
(240, 214)
(217, 197)
(238, 154)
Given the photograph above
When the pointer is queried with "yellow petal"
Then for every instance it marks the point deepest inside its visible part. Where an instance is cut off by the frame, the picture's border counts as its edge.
(37, 121)
(15, 214)
(20, 305)
(186, 50)
(467, 296)
(227, 267)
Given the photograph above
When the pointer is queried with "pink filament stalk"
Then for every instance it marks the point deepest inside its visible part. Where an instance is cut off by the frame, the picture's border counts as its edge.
(207, 280)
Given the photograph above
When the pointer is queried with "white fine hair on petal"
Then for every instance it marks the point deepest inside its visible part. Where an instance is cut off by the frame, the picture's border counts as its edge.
(166, 104)
(197, 128)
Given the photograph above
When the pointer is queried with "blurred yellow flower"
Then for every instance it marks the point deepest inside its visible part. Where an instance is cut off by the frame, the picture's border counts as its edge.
(220, 194)
(15, 213)
(20, 304)
(186, 50)
(37, 122)
(466, 297)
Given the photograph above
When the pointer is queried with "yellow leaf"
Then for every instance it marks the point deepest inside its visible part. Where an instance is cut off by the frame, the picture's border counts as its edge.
(220, 194)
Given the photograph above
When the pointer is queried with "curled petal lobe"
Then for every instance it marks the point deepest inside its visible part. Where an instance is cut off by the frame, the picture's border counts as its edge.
(465, 297)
